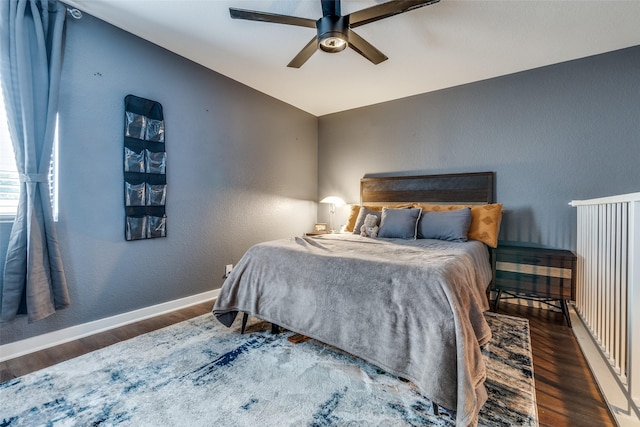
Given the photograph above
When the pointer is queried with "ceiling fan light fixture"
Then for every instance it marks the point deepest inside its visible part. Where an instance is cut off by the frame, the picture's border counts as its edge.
(332, 33)
(333, 43)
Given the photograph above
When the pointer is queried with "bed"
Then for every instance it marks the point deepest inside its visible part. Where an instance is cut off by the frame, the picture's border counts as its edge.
(411, 306)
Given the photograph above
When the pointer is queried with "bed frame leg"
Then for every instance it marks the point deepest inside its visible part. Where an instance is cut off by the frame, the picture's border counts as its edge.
(275, 329)
(436, 410)
(245, 317)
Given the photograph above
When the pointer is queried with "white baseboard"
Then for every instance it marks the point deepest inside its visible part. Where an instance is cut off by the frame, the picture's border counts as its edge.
(614, 394)
(51, 339)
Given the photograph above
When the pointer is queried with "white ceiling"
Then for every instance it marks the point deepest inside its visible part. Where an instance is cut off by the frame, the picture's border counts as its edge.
(443, 45)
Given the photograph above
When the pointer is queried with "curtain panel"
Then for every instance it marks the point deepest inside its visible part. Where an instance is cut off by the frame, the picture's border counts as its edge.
(31, 34)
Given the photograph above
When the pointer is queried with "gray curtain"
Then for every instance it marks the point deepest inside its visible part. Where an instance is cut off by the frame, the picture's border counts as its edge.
(31, 34)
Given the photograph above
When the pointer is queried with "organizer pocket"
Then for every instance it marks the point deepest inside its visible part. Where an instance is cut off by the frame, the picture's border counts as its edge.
(136, 228)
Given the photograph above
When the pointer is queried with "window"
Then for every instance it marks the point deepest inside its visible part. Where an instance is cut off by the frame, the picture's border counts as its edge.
(9, 177)
(9, 182)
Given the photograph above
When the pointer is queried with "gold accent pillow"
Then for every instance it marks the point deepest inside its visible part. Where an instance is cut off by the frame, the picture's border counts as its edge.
(485, 220)
(353, 217)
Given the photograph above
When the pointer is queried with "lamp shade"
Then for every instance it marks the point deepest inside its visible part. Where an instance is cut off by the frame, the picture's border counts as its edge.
(337, 201)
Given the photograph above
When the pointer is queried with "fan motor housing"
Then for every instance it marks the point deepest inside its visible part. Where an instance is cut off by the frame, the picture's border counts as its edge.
(332, 33)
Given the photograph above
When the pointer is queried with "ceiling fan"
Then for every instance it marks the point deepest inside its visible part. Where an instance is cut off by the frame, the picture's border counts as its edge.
(335, 30)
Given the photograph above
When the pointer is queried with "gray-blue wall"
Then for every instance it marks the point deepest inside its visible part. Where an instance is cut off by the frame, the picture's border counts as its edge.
(552, 135)
(241, 168)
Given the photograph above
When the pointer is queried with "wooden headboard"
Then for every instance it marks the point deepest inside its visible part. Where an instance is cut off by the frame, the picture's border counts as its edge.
(457, 188)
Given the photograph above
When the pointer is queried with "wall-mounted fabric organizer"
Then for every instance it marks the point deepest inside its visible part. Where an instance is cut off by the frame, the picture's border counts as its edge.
(145, 169)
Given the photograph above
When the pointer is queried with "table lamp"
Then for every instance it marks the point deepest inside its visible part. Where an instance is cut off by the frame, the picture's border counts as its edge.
(335, 202)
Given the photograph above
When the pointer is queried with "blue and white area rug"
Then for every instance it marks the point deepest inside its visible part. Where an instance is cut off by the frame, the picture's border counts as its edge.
(199, 373)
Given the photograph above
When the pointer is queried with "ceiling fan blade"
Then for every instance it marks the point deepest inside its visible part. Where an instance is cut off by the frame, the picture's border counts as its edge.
(330, 7)
(385, 10)
(304, 54)
(365, 48)
(252, 15)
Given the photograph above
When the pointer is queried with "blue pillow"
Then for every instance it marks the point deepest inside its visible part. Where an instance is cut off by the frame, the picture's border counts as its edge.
(399, 223)
(447, 225)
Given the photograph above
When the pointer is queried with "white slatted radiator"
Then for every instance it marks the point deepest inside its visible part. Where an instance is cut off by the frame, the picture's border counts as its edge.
(608, 284)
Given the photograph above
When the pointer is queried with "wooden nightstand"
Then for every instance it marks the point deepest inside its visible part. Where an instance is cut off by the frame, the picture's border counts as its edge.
(544, 275)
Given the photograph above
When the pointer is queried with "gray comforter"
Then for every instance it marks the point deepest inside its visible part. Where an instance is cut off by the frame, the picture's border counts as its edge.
(411, 307)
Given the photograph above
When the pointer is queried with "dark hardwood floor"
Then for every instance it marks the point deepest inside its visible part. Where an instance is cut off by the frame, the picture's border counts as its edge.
(566, 392)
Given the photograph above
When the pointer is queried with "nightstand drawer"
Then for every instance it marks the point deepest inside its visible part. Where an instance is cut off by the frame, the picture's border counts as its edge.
(564, 259)
(535, 270)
